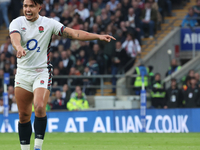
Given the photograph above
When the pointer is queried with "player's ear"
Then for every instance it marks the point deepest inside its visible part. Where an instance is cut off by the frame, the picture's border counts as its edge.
(40, 8)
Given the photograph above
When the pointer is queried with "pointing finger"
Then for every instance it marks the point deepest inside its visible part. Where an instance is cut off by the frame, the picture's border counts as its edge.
(112, 37)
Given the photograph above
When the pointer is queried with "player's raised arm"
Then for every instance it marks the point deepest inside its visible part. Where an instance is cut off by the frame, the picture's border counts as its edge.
(85, 36)
(15, 40)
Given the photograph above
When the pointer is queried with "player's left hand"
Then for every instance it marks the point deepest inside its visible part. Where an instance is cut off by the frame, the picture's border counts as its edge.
(106, 38)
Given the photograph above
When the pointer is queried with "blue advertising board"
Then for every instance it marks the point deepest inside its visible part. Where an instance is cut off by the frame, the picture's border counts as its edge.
(188, 37)
(120, 121)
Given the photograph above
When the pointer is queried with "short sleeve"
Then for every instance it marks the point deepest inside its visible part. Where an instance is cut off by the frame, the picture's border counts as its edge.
(57, 27)
(14, 27)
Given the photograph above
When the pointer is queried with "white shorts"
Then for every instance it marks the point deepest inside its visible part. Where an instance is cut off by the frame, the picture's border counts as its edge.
(30, 81)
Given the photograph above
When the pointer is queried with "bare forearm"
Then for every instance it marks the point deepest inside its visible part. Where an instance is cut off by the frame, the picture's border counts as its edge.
(15, 40)
(85, 36)
(79, 35)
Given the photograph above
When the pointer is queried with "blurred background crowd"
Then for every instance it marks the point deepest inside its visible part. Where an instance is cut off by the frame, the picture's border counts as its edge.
(129, 21)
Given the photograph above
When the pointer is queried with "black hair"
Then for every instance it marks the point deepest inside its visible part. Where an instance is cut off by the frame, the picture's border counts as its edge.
(37, 2)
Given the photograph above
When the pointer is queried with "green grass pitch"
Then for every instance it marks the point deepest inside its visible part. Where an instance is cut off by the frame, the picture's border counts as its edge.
(108, 141)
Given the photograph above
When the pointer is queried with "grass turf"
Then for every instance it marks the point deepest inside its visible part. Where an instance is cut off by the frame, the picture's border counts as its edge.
(108, 141)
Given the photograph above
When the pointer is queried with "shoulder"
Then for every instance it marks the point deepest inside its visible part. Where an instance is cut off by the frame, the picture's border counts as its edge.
(18, 19)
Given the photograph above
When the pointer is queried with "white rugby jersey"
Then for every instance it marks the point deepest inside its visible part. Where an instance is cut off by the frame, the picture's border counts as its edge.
(35, 39)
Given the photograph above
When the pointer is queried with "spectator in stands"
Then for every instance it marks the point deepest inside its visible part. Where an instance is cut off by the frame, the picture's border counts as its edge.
(149, 19)
(197, 9)
(174, 95)
(190, 19)
(48, 7)
(87, 4)
(125, 7)
(91, 19)
(87, 82)
(113, 5)
(158, 93)
(96, 9)
(57, 81)
(54, 16)
(13, 63)
(192, 94)
(105, 17)
(62, 5)
(10, 94)
(83, 12)
(7, 68)
(57, 10)
(74, 81)
(78, 88)
(1, 81)
(54, 43)
(137, 9)
(71, 56)
(78, 102)
(168, 3)
(58, 103)
(75, 24)
(66, 18)
(132, 46)
(83, 58)
(79, 66)
(119, 59)
(14, 107)
(190, 74)
(15, 7)
(141, 4)
(74, 3)
(98, 56)
(161, 8)
(9, 46)
(65, 64)
(159, 17)
(93, 66)
(55, 59)
(101, 4)
(66, 93)
(197, 77)
(84, 46)
(133, 23)
(65, 42)
(4, 12)
(173, 68)
(2, 60)
(1, 104)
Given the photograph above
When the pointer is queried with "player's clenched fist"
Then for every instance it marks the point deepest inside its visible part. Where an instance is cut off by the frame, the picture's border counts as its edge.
(21, 52)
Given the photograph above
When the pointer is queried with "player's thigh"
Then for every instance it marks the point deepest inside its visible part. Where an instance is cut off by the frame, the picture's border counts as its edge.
(41, 96)
(24, 101)
(41, 87)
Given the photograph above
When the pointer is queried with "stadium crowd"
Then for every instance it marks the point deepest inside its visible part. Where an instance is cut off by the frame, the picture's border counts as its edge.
(129, 21)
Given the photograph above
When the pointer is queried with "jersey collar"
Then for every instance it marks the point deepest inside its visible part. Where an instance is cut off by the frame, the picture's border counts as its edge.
(36, 22)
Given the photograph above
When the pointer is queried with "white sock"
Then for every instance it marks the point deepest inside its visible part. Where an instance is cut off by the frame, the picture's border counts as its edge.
(25, 147)
(38, 143)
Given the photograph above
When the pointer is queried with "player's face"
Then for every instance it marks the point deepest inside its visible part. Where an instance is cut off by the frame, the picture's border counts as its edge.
(31, 10)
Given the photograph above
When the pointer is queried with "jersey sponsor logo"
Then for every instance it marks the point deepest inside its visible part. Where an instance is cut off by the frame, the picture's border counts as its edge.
(33, 45)
(42, 82)
(23, 29)
(41, 29)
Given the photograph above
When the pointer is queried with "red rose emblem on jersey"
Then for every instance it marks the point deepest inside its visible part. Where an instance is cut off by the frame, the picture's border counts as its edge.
(42, 82)
(41, 29)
